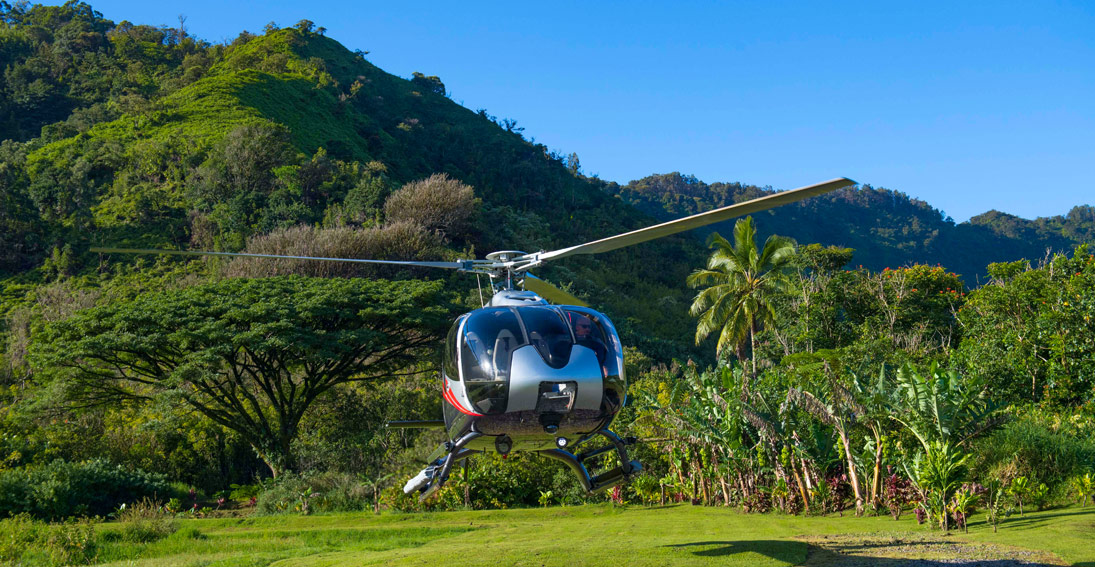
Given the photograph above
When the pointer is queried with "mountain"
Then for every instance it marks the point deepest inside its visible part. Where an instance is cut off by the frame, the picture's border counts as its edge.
(130, 135)
(886, 228)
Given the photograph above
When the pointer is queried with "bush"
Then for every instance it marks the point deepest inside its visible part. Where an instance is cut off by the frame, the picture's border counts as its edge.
(438, 203)
(62, 489)
(516, 482)
(146, 521)
(314, 493)
(393, 241)
(1043, 447)
(25, 541)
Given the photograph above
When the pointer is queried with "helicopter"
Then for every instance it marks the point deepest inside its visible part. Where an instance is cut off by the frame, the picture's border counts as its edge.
(523, 374)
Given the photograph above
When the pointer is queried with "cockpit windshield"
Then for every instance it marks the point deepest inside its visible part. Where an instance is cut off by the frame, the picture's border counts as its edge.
(548, 333)
(490, 337)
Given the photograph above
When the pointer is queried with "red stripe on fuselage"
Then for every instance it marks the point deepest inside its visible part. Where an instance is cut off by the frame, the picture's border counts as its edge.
(451, 398)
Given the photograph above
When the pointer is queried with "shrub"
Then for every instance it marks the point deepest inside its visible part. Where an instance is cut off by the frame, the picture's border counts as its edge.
(62, 489)
(314, 493)
(1043, 447)
(995, 505)
(1083, 486)
(1020, 490)
(394, 241)
(937, 473)
(146, 521)
(25, 541)
(438, 203)
(16, 535)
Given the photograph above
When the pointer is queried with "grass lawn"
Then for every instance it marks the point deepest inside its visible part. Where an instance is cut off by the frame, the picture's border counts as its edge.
(602, 535)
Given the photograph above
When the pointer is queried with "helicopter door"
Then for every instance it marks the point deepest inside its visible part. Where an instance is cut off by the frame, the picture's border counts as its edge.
(594, 331)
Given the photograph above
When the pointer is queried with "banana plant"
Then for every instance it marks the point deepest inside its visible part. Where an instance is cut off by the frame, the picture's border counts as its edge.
(839, 408)
(937, 406)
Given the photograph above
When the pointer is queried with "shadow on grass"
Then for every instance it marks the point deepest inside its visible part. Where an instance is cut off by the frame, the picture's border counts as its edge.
(1037, 519)
(802, 553)
(793, 552)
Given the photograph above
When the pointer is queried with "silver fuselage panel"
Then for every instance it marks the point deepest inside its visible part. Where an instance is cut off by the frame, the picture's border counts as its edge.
(529, 371)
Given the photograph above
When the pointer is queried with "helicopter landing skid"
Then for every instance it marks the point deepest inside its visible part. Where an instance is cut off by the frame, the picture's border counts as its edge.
(435, 474)
(607, 479)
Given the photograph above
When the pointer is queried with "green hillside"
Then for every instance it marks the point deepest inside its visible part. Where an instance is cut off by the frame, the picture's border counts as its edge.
(886, 228)
(221, 144)
(251, 386)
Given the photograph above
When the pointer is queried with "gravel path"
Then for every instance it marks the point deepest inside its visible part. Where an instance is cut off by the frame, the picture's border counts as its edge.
(916, 550)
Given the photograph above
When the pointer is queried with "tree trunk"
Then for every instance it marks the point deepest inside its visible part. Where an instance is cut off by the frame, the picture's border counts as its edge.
(877, 476)
(853, 477)
(753, 348)
(801, 487)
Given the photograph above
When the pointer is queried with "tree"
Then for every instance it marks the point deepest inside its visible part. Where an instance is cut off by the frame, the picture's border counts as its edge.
(431, 83)
(840, 410)
(250, 354)
(1027, 332)
(738, 287)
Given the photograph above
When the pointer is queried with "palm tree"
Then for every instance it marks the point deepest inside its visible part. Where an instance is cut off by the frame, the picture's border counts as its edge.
(738, 286)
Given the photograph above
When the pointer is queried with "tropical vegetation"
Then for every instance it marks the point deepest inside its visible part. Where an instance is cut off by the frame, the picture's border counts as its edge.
(797, 375)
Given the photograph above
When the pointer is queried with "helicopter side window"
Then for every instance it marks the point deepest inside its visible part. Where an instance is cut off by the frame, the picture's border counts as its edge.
(548, 333)
(589, 333)
(602, 339)
(449, 364)
(504, 346)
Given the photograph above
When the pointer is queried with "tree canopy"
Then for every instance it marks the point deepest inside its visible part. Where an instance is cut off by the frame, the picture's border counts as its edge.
(250, 354)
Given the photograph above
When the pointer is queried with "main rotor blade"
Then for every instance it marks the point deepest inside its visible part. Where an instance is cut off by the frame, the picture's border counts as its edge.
(550, 292)
(464, 265)
(696, 221)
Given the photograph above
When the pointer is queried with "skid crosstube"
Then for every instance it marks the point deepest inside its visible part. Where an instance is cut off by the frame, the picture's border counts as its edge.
(434, 476)
(607, 479)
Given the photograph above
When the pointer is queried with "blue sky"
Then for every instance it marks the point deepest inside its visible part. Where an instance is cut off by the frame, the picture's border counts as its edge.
(969, 106)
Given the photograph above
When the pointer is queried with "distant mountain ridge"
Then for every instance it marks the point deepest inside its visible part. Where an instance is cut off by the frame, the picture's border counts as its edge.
(130, 135)
(887, 228)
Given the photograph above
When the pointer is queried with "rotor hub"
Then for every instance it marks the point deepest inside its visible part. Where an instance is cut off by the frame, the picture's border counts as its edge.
(505, 255)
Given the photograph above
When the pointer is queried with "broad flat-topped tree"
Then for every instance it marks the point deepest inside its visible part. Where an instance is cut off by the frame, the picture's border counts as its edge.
(249, 354)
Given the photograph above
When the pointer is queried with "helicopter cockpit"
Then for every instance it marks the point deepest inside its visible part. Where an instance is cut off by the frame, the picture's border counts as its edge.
(536, 357)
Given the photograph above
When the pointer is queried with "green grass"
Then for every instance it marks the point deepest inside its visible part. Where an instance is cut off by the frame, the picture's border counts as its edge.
(600, 535)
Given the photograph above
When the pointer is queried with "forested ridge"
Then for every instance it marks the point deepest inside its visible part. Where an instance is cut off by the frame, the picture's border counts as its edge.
(886, 228)
(807, 388)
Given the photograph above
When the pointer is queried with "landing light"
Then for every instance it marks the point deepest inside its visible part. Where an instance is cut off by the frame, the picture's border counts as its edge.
(503, 445)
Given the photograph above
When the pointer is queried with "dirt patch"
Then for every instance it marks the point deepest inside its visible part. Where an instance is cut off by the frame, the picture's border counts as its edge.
(916, 550)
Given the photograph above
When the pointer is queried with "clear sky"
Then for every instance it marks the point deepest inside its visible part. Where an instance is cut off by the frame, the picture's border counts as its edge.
(970, 106)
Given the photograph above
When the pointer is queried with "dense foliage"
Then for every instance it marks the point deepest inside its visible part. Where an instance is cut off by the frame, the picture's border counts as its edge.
(250, 355)
(885, 227)
(885, 391)
(898, 384)
(60, 489)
